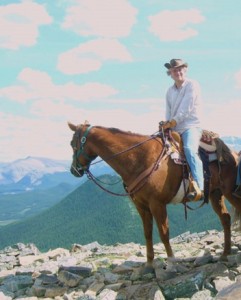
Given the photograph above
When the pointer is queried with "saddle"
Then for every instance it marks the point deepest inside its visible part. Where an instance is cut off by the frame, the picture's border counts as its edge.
(210, 149)
(208, 141)
(210, 144)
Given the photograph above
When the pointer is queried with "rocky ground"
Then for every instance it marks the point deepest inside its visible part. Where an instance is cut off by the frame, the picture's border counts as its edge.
(93, 271)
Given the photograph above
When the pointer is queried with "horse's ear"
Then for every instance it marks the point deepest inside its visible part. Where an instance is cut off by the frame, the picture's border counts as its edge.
(86, 122)
(72, 126)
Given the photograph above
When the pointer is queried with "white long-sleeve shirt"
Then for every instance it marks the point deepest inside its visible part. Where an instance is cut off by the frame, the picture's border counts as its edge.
(183, 104)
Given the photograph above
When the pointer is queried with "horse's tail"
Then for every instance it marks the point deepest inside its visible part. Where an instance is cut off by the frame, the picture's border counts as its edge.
(224, 154)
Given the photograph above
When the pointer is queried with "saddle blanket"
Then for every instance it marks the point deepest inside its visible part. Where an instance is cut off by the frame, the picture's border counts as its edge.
(181, 192)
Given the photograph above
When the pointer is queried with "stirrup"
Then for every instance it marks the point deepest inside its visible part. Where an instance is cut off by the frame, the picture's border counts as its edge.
(197, 194)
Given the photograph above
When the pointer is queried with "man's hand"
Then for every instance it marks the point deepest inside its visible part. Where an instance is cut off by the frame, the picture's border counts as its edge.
(167, 124)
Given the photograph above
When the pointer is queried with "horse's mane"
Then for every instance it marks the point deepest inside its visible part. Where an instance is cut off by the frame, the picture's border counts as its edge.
(119, 131)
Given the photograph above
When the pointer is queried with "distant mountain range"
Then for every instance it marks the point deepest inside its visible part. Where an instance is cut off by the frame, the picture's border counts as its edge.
(31, 185)
(36, 172)
(41, 173)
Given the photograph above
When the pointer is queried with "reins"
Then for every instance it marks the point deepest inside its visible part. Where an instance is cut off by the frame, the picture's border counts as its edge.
(135, 186)
(142, 178)
(153, 136)
(95, 180)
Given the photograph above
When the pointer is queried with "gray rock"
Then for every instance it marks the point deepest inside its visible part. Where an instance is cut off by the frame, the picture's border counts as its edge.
(54, 291)
(15, 283)
(221, 283)
(97, 272)
(202, 295)
(79, 270)
(107, 294)
(231, 292)
(69, 279)
(183, 285)
(200, 261)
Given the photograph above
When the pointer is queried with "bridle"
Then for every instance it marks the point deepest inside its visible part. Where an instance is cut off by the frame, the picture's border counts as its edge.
(78, 143)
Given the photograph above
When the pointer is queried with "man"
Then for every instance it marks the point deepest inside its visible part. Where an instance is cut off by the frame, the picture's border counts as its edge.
(183, 114)
(237, 192)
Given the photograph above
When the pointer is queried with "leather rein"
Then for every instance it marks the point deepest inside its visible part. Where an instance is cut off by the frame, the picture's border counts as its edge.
(135, 186)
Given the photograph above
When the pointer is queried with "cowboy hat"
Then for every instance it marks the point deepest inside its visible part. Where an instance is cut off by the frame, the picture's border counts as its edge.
(175, 63)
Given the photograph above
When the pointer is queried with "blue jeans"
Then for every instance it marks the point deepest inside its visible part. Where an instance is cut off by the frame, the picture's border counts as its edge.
(238, 179)
(191, 138)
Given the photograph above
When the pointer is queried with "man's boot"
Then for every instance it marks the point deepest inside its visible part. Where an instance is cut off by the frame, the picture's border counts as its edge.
(197, 194)
(237, 192)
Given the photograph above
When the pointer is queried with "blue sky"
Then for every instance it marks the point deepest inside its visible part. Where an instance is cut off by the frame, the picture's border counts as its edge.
(102, 61)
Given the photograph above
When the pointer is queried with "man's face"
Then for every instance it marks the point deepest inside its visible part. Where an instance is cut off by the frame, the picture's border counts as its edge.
(178, 74)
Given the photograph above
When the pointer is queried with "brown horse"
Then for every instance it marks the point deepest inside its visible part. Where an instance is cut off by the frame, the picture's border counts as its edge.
(152, 177)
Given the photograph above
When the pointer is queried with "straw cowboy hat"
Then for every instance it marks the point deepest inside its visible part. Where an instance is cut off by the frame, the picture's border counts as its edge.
(175, 63)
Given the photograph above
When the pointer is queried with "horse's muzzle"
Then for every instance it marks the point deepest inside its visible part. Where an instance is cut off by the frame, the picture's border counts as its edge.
(76, 172)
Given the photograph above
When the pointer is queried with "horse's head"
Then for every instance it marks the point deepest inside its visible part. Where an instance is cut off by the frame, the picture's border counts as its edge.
(82, 156)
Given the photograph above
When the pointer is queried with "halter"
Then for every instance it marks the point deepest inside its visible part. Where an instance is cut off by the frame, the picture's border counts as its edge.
(81, 151)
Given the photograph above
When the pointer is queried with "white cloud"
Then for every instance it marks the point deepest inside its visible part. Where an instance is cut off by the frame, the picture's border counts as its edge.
(237, 77)
(174, 25)
(48, 137)
(145, 123)
(19, 24)
(103, 18)
(71, 63)
(224, 118)
(35, 85)
(50, 109)
(59, 110)
(24, 137)
(90, 56)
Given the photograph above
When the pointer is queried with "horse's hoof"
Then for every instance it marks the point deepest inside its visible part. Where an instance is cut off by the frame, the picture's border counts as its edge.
(223, 258)
(148, 270)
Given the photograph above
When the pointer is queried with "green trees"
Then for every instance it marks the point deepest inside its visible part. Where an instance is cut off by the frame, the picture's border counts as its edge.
(90, 214)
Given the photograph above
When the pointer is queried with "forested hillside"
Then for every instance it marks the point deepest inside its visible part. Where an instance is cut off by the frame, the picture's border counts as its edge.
(90, 214)
(16, 207)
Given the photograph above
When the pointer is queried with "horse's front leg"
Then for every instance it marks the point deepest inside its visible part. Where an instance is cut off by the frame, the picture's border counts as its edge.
(218, 204)
(159, 212)
(147, 220)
